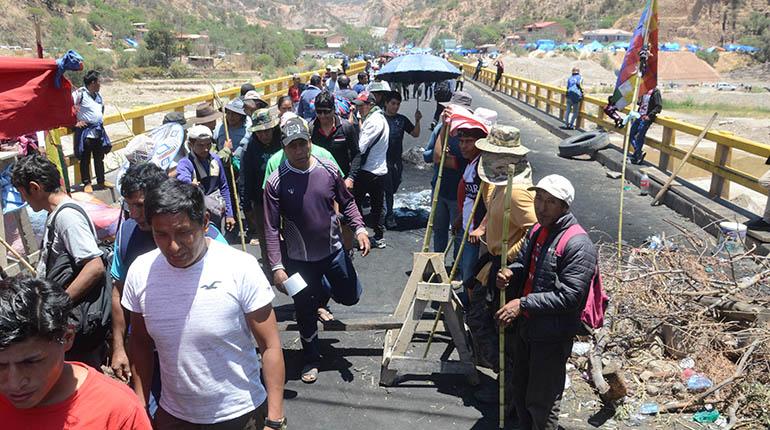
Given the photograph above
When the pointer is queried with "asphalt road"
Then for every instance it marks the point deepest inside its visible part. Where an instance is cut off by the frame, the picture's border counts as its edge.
(347, 394)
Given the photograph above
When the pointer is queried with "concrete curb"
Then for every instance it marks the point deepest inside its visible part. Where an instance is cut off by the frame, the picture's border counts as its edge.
(682, 197)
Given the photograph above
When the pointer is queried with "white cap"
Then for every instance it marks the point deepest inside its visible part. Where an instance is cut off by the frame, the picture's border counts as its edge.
(557, 186)
(199, 131)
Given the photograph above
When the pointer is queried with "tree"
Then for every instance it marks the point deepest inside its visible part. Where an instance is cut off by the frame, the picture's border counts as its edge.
(160, 42)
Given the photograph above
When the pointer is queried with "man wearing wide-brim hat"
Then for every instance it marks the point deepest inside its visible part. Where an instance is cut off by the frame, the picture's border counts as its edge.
(500, 149)
(205, 114)
(239, 134)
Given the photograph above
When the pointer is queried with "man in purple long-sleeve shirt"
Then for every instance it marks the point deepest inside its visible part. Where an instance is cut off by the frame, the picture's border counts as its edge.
(205, 169)
(302, 193)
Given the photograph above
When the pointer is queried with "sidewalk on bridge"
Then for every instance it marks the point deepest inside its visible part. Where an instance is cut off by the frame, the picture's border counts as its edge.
(683, 197)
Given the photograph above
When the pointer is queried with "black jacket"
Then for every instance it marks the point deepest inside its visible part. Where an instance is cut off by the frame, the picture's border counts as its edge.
(655, 106)
(560, 284)
(343, 145)
(253, 165)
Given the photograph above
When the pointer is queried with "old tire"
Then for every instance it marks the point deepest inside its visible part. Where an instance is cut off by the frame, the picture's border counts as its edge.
(584, 143)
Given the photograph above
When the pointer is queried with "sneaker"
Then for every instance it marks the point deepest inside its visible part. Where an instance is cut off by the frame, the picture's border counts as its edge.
(378, 243)
(758, 224)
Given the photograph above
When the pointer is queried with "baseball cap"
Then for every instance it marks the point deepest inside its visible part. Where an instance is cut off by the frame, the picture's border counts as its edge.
(199, 131)
(294, 129)
(460, 98)
(557, 186)
(364, 97)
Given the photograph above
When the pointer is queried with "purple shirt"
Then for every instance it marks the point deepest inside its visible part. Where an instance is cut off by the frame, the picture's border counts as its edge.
(304, 201)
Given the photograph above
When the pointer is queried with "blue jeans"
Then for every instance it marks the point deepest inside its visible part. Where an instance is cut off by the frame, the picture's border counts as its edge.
(342, 286)
(467, 263)
(638, 132)
(446, 212)
(573, 107)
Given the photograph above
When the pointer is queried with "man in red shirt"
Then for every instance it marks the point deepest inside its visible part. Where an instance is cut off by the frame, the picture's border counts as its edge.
(549, 289)
(38, 389)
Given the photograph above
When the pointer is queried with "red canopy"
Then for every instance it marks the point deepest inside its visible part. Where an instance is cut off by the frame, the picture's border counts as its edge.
(29, 100)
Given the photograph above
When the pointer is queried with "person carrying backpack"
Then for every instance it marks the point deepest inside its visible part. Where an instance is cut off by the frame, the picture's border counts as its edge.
(547, 287)
(70, 256)
(574, 97)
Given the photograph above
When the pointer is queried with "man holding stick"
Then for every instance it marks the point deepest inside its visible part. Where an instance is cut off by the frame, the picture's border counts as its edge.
(549, 283)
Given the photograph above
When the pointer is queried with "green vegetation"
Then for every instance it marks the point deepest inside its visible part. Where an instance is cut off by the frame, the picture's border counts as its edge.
(412, 35)
(606, 62)
(360, 40)
(710, 57)
(436, 44)
(475, 35)
(725, 109)
(757, 29)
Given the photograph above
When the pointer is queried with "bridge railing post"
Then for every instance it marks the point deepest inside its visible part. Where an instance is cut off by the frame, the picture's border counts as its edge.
(581, 122)
(562, 105)
(722, 158)
(549, 96)
(668, 141)
(528, 97)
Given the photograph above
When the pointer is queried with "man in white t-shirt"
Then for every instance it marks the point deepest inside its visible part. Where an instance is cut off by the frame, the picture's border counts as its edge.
(373, 144)
(202, 304)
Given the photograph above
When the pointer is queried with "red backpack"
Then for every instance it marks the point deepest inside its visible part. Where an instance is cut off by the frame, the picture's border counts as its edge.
(596, 301)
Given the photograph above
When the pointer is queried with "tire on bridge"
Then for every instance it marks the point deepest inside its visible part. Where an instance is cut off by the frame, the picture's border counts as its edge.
(584, 143)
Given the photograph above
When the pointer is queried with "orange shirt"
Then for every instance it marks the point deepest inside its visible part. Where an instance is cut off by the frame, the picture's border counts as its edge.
(99, 404)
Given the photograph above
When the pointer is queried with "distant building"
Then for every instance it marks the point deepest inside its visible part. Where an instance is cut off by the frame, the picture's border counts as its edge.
(448, 44)
(336, 41)
(318, 32)
(544, 30)
(512, 40)
(198, 43)
(200, 62)
(607, 35)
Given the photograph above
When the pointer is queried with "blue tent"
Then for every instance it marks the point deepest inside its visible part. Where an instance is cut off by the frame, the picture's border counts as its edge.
(546, 45)
(131, 42)
(594, 46)
(692, 48)
(670, 47)
(747, 49)
(530, 46)
(731, 47)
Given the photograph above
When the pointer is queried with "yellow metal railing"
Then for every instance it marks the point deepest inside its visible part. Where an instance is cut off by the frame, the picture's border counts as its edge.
(272, 89)
(550, 98)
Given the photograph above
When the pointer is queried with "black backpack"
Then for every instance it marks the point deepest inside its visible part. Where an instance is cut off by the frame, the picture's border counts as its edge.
(443, 92)
(92, 314)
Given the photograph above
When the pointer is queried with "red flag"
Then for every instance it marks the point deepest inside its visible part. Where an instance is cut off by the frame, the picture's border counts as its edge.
(29, 100)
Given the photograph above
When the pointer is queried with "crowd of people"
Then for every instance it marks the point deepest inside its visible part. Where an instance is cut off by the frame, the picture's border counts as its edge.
(193, 331)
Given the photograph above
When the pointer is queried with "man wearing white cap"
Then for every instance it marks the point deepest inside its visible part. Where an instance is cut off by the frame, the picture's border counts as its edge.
(548, 284)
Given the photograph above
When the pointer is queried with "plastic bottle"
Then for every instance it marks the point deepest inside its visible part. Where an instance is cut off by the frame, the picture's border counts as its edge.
(644, 184)
(649, 409)
(697, 383)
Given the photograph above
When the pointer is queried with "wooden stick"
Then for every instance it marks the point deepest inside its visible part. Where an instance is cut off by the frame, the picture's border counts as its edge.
(627, 135)
(131, 130)
(18, 256)
(673, 176)
(232, 171)
(504, 263)
(434, 203)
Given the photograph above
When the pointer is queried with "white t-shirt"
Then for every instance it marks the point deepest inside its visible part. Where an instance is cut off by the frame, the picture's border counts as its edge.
(208, 363)
(375, 131)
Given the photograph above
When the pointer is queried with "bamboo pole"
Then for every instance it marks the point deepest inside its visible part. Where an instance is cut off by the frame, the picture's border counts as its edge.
(627, 135)
(504, 263)
(232, 172)
(682, 163)
(429, 229)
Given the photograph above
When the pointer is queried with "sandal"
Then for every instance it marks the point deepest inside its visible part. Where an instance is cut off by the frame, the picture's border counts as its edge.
(325, 315)
(310, 373)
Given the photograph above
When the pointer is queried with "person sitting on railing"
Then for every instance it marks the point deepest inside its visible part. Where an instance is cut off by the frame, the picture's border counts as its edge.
(650, 105)
(612, 111)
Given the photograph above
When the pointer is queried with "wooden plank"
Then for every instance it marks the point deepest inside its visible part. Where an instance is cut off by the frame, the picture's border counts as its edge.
(433, 292)
(411, 365)
(362, 324)
(722, 157)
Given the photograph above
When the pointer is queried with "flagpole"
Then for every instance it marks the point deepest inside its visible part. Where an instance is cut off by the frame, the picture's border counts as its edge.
(627, 136)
